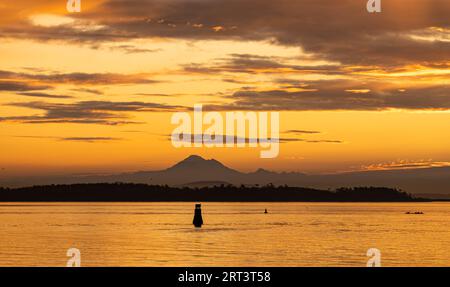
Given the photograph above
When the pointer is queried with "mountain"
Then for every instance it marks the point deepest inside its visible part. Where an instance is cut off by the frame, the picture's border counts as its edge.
(196, 166)
(196, 170)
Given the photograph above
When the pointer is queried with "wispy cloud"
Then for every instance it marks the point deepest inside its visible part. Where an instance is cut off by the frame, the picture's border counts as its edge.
(301, 132)
(89, 91)
(131, 49)
(74, 139)
(44, 95)
(256, 64)
(333, 95)
(86, 112)
(77, 78)
(16, 86)
(191, 137)
(405, 164)
(90, 139)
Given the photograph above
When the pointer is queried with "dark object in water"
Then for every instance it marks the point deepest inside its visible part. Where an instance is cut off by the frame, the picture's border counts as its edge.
(265, 211)
(417, 212)
(198, 220)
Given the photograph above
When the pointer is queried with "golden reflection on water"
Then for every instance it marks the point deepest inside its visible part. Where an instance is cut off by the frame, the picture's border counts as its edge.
(234, 234)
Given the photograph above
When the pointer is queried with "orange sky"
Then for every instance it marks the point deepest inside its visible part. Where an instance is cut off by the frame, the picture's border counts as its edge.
(95, 91)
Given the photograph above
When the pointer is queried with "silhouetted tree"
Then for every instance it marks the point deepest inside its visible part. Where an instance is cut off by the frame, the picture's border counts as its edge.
(141, 193)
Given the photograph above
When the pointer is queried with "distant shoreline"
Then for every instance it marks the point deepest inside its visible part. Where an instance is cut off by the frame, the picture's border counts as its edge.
(128, 192)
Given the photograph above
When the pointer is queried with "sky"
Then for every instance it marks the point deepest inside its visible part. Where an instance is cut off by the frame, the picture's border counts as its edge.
(94, 92)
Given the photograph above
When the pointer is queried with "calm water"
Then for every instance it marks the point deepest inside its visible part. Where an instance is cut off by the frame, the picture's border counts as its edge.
(235, 234)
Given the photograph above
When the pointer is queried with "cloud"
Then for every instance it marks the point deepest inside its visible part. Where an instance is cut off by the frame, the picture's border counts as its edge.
(15, 86)
(301, 132)
(44, 95)
(324, 141)
(86, 112)
(334, 95)
(130, 49)
(89, 91)
(369, 48)
(405, 164)
(75, 139)
(190, 138)
(341, 31)
(90, 139)
(254, 64)
(154, 95)
(77, 78)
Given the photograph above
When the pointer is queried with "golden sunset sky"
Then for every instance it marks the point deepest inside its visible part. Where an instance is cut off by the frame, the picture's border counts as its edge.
(94, 92)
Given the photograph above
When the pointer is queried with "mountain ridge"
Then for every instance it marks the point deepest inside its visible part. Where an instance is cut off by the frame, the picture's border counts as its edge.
(195, 169)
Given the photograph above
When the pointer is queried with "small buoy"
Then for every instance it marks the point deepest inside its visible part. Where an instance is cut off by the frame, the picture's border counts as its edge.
(265, 211)
(198, 220)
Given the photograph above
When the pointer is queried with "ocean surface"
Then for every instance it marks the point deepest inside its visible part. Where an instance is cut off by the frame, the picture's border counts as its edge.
(234, 234)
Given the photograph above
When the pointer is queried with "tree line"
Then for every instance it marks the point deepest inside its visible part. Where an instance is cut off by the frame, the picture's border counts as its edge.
(129, 192)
